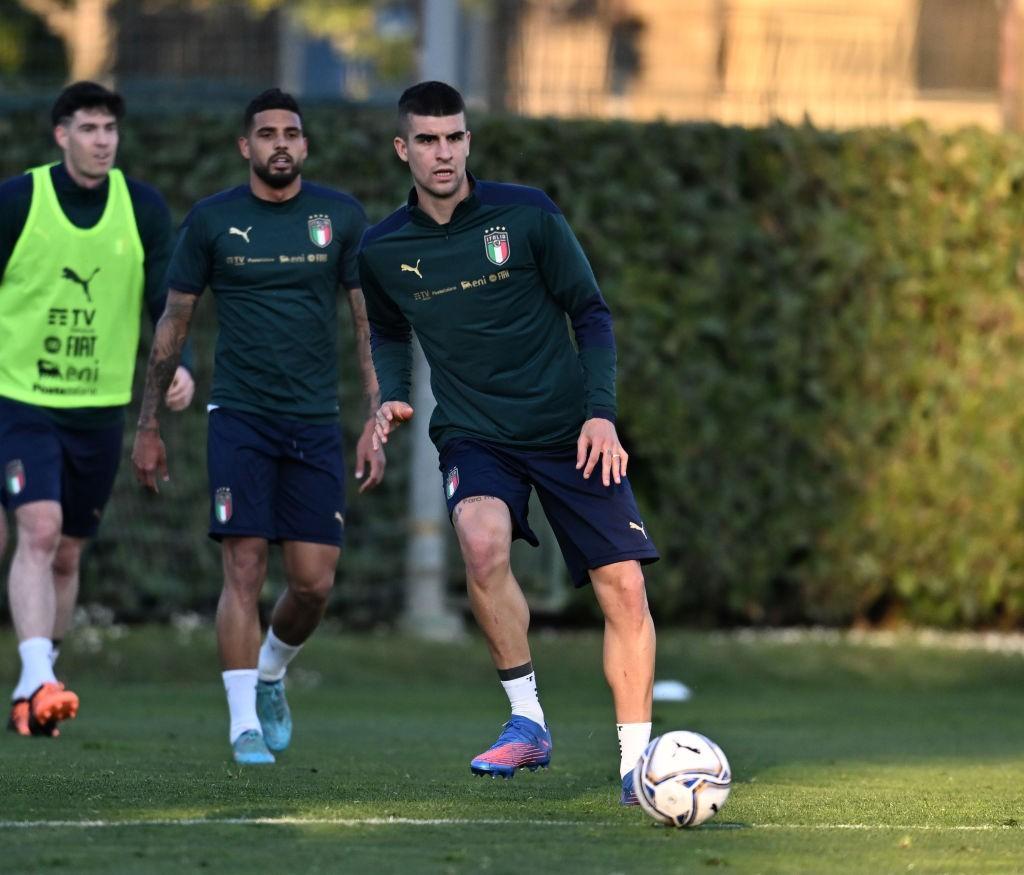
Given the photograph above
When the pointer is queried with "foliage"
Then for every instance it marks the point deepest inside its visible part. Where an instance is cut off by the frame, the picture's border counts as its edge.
(352, 26)
(820, 342)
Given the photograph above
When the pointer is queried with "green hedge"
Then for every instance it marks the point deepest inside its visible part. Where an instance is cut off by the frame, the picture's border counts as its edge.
(820, 340)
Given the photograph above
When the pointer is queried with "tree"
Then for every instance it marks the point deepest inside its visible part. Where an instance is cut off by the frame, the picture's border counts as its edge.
(87, 30)
(89, 33)
(353, 26)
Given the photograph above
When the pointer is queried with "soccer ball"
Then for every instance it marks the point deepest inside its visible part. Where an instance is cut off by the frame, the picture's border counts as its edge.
(682, 779)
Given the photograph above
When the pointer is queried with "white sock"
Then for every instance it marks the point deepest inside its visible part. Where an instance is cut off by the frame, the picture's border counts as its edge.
(522, 696)
(36, 667)
(633, 738)
(275, 656)
(240, 685)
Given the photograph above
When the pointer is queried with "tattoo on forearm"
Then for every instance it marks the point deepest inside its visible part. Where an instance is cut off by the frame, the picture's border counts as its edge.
(361, 327)
(168, 339)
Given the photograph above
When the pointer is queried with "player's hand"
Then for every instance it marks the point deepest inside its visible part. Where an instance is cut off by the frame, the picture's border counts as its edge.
(149, 458)
(180, 392)
(390, 415)
(599, 442)
(368, 453)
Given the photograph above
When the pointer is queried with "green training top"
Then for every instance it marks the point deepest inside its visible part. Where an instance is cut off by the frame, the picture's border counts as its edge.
(274, 269)
(488, 295)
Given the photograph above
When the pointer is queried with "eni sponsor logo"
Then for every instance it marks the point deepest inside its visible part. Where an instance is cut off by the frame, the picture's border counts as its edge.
(463, 285)
(310, 258)
(498, 277)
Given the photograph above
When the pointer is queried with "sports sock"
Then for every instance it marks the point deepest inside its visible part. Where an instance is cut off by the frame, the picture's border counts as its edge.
(275, 656)
(240, 685)
(633, 738)
(520, 684)
(36, 668)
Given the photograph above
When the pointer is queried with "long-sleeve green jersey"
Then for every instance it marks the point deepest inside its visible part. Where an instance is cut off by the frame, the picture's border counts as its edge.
(488, 295)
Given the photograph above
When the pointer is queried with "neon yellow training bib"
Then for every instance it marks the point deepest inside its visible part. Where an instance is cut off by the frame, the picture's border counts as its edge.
(70, 303)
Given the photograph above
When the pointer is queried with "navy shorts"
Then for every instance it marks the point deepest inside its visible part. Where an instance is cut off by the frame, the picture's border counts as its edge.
(43, 461)
(595, 524)
(278, 479)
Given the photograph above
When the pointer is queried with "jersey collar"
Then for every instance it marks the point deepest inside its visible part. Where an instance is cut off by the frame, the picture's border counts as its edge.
(463, 208)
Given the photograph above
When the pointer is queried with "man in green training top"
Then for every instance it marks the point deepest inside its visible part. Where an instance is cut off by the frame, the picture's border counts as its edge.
(82, 249)
(274, 252)
(486, 273)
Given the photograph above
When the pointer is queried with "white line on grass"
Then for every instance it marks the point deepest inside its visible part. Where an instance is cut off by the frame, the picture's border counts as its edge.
(444, 821)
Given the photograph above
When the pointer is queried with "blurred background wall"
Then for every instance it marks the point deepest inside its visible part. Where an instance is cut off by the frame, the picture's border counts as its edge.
(950, 62)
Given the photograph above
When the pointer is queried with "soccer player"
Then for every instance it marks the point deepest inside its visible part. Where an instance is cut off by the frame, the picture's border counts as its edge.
(274, 252)
(82, 250)
(486, 274)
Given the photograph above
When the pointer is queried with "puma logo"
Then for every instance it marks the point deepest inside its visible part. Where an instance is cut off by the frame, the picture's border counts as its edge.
(639, 528)
(415, 270)
(243, 234)
(693, 750)
(69, 274)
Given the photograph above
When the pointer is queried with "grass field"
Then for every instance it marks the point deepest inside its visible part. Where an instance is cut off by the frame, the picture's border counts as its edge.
(847, 758)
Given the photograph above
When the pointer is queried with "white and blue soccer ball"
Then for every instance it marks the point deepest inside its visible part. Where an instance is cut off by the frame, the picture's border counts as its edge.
(682, 779)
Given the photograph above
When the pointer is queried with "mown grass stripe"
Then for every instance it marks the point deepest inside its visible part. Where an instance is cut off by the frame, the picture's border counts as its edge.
(443, 821)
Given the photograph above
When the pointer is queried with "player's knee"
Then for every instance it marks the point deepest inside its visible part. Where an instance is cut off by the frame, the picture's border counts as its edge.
(39, 534)
(244, 567)
(624, 594)
(67, 560)
(65, 567)
(313, 592)
(486, 553)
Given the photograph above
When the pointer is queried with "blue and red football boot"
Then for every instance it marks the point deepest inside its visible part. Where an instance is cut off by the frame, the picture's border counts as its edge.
(628, 790)
(522, 744)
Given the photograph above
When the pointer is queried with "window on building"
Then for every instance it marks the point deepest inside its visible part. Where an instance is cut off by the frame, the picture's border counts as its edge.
(958, 45)
(625, 56)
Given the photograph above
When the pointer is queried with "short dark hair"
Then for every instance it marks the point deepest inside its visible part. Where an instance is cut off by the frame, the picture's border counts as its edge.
(272, 98)
(428, 98)
(85, 95)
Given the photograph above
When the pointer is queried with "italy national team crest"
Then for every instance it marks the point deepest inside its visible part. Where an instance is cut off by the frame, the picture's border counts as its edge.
(496, 244)
(451, 482)
(14, 475)
(222, 507)
(320, 231)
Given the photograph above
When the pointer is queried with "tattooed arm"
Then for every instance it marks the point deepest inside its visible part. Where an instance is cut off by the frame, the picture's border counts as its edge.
(367, 455)
(149, 457)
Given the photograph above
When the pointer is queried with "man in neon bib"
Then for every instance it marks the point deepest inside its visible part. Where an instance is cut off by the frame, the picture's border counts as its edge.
(81, 248)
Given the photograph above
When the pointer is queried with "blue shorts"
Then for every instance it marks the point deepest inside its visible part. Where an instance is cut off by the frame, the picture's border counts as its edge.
(278, 479)
(595, 524)
(43, 461)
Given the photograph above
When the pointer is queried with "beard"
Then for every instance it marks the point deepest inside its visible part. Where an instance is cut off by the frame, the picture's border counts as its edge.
(277, 178)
